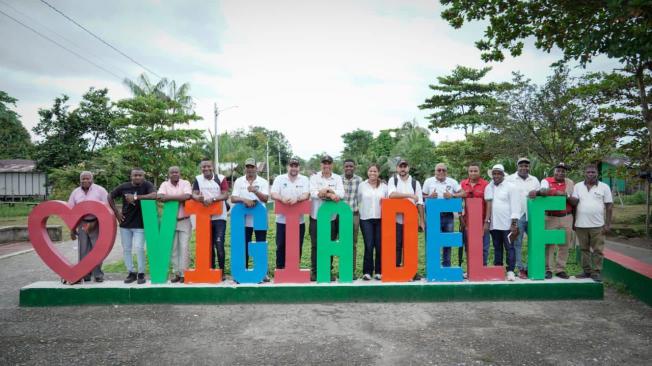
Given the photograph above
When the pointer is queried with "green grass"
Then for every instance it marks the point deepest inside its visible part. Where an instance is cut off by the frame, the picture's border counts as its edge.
(572, 266)
(14, 210)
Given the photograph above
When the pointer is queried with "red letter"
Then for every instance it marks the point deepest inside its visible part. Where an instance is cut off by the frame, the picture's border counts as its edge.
(292, 272)
(474, 234)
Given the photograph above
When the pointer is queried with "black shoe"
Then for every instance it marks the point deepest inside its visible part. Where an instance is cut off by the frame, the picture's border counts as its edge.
(266, 278)
(176, 279)
(181, 280)
(141, 278)
(417, 277)
(99, 279)
(87, 279)
(313, 277)
(596, 277)
(548, 275)
(333, 278)
(562, 274)
(583, 275)
(131, 277)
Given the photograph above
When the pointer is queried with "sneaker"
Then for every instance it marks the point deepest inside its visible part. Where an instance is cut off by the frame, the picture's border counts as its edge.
(583, 275)
(596, 277)
(266, 278)
(511, 276)
(131, 277)
(87, 279)
(366, 277)
(465, 275)
(141, 278)
(181, 280)
(176, 279)
(378, 277)
(522, 274)
(99, 279)
(313, 277)
(562, 274)
(333, 278)
(548, 275)
(417, 277)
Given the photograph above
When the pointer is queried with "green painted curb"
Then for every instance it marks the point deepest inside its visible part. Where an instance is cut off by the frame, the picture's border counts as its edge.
(638, 285)
(53, 294)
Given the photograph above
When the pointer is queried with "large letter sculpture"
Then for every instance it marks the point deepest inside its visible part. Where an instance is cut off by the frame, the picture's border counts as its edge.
(159, 238)
(537, 234)
(38, 235)
(292, 273)
(203, 273)
(327, 248)
(474, 235)
(435, 240)
(257, 250)
(391, 272)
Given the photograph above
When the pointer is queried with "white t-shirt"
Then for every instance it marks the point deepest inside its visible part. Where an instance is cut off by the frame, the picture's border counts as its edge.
(524, 186)
(317, 182)
(505, 204)
(369, 198)
(590, 209)
(209, 189)
(240, 189)
(290, 189)
(433, 184)
(404, 186)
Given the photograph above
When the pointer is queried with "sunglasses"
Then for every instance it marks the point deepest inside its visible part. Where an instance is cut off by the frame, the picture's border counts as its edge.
(441, 170)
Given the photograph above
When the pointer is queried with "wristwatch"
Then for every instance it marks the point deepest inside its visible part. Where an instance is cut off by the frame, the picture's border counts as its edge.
(135, 196)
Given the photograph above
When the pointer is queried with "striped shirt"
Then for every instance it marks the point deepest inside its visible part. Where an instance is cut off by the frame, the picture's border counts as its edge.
(351, 189)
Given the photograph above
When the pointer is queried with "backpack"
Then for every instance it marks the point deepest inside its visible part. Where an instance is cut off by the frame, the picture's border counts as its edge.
(216, 178)
(414, 183)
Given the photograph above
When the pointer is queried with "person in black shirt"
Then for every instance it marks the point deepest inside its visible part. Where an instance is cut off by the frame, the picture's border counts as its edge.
(130, 219)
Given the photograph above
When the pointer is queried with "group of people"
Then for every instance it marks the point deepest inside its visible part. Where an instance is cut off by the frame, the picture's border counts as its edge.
(588, 212)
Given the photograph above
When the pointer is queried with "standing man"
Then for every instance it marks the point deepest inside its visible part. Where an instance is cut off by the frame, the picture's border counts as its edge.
(207, 189)
(324, 186)
(526, 185)
(289, 188)
(474, 187)
(592, 199)
(351, 189)
(131, 220)
(177, 189)
(402, 185)
(441, 186)
(249, 190)
(503, 211)
(87, 230)
(558, 185)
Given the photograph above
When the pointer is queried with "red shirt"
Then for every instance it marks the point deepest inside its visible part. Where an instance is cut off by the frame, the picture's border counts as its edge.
(475, 191)
(555, 187)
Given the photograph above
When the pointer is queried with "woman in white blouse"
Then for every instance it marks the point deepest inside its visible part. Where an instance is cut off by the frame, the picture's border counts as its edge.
(370, 193)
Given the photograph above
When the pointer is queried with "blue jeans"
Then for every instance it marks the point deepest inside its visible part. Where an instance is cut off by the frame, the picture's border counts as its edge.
(518, 243)
(499, 238)
(447, 226)
(131, 238)
(485, 248)
(371, 234)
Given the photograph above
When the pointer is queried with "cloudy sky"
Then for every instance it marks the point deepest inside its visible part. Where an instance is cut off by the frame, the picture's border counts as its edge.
(311, 69)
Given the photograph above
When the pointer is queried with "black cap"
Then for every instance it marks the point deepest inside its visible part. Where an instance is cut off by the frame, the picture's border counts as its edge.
(561, 165)
(294, 160)
(401, 161)
(326, 158)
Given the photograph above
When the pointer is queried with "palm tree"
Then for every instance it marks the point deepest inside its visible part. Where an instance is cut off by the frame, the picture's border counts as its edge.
(165, 89)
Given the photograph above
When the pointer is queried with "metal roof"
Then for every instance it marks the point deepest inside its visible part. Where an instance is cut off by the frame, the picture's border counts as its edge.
(17, 166)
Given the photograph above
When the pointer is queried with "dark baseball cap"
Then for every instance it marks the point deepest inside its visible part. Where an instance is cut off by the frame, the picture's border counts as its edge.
(326, 158)
(561, 165)
(294, 160)
(402, 161)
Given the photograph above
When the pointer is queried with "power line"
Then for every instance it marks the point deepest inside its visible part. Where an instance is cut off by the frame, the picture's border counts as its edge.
(60, 45)
(51, 31)
(100, 39)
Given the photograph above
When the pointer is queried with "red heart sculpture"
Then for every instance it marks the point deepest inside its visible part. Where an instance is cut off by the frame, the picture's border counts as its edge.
(38, 235)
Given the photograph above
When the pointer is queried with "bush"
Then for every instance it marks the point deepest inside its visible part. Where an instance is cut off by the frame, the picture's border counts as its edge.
(637, 198)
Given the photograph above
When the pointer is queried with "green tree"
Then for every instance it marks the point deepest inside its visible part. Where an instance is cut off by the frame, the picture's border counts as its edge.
(619, 29)
(357, 144)
(16, 139)
(414, 144)
(461, 101)
(164, 89)
(62, 134)
(96, 112)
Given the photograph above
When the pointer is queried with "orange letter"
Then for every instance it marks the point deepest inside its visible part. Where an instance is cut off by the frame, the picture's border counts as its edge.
(203, 273)
(392, 272)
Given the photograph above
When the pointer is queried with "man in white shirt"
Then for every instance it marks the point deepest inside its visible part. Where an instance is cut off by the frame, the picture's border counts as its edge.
(289, 188)
(402, 185)
(441, 186)
(249, 190)
(592, 198)
(324, 186)
(503, 211)
(526, 185)
(207, 189)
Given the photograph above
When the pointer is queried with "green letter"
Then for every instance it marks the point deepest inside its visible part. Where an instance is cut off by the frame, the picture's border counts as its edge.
(159, 240)
(342, 247)
(537, 235)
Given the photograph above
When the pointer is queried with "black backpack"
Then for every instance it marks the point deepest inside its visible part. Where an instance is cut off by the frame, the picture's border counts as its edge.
(414, 183)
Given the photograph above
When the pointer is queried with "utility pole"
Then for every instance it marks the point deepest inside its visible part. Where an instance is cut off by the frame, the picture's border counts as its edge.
(216, 158)
(279, 160)
(267, 158)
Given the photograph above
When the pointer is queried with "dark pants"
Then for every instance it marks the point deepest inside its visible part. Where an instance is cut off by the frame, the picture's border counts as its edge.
(447, 226)
(280, 243)
(218, 229)
(485, 248)
(371, 236)
(399, 244)
(86, 243)
(261, 235)
(313, 242)
(499, 238)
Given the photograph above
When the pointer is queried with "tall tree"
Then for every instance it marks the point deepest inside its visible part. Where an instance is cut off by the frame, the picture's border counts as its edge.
(461, 100)
(356, 144)
(15, 138)
(96, 112)
(619, 29)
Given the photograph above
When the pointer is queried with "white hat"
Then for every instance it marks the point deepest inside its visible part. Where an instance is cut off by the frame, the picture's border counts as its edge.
(498, 167)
